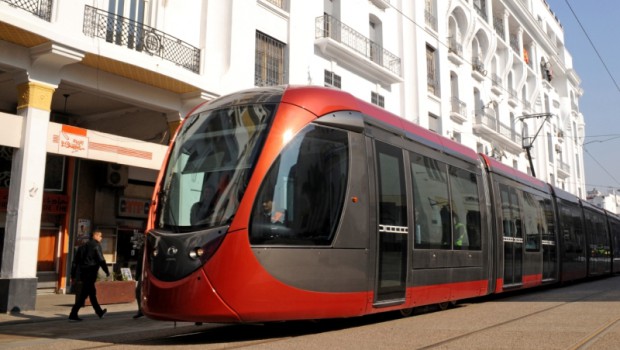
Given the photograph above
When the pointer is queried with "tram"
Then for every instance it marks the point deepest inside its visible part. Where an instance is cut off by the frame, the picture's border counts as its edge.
(291, 203)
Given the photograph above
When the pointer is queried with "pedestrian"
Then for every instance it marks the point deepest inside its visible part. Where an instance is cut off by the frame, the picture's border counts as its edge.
(86, 263)
(139, 281)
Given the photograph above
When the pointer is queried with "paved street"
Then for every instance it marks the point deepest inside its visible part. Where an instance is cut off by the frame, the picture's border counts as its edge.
(580, 316)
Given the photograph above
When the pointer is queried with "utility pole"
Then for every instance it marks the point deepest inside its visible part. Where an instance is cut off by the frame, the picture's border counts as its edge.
(529, 143)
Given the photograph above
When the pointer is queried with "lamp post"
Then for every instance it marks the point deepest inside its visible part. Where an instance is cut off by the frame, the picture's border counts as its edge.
(528, 146)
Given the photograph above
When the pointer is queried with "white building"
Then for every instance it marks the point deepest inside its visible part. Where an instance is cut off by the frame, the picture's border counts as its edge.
(609, 201)
(91, 91)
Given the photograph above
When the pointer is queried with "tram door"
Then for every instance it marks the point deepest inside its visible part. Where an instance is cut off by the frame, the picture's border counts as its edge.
(512, 236)
(392, 224)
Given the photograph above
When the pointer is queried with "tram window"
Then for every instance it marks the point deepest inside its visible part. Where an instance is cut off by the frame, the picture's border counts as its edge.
(465, 204)
(301, 198)
(535, 223)
(432, 206)
(511, 212)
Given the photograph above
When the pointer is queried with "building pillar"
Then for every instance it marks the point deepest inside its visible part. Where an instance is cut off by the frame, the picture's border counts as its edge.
(18, 273)
(35, 87)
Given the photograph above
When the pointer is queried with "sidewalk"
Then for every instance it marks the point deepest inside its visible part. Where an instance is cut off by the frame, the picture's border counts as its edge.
(56, 307)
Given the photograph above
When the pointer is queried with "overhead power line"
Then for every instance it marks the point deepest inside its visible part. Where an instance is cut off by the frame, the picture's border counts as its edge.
(593, 46)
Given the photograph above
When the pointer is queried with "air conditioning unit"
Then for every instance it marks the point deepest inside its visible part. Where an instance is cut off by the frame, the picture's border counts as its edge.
(117, 175)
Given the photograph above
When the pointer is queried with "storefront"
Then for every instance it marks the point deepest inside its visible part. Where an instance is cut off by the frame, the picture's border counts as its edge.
(81, 196)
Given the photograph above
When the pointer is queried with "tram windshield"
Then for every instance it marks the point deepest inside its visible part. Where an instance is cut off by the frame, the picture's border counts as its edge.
(210, 165)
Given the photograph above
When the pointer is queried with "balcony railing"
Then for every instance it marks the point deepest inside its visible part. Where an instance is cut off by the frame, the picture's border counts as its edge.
(564, 166)
(455, 47)
(278, 3)
(487, 119)
(514, 43)
(497, 81)
(459, 107)
(478, 66)
(498, 24)
(481, 11)
(140, 37)
(39, 8)
(330, 27)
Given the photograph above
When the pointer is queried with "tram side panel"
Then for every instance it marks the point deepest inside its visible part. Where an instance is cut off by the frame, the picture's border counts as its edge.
(450, 242)
(525, 235)
(597, 238)
(614, 230)
(573, 262)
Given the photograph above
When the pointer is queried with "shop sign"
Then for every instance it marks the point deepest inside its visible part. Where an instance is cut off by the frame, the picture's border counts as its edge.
(53, 203)
(73, 141)
(133, 207)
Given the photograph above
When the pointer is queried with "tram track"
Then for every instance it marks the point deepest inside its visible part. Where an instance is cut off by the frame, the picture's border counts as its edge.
(582, 344)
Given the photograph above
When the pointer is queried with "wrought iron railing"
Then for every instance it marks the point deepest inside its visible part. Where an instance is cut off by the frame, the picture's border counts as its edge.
(497, 81)
(527, 105)
(330, 27)
(140, 37)
(514, 43)
(455, 47)
(564, 166)
(487, 119)
(478, 66)
(481, 11)
(498, 24)
(39, 8)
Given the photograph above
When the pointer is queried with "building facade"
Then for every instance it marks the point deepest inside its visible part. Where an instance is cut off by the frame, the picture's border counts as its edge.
(91, 93)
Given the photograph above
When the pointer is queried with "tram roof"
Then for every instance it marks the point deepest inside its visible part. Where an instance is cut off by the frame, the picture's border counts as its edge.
(321, 101)
(497, 167)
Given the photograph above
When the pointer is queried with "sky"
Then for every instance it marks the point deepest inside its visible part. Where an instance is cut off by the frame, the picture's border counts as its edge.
(600, 103)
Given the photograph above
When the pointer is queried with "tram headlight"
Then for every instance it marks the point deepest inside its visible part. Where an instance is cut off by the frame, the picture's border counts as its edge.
(196, 253)
(155, 252)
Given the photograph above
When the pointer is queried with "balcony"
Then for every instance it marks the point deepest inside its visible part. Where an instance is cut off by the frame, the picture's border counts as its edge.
(513, 100)
(481, 12)
(478, 71)
(498, 24)
(455, 51)
(381, 4)
(563, 169)
(488, 127)
(355, 51)
(514, 43)
(497, 84)
(458, 112)
(140, 37)
(39, 8)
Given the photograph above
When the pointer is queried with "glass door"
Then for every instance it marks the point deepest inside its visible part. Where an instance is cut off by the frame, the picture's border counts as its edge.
(392, 230)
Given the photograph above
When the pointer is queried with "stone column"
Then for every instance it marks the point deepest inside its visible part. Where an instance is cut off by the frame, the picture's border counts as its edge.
(18, 273)
(35, 87)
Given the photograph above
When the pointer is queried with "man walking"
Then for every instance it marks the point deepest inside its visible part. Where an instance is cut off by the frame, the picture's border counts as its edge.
(86, 263)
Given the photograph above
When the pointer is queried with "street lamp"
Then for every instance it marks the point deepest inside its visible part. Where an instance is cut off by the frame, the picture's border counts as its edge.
(528, 143)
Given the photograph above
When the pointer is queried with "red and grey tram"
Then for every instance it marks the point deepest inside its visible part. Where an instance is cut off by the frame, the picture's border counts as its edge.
(289, 203)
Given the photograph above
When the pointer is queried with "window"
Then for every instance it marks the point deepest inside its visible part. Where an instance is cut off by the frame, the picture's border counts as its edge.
(465, 209)
(431, 203)
(432, 73)
(332, 79)
(377, 99)
(269, 61)
(446, 206)
(536, 222)
(433, 123)
(302, 196)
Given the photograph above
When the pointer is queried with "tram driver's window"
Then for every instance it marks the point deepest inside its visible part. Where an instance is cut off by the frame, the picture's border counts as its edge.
(301, 198)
